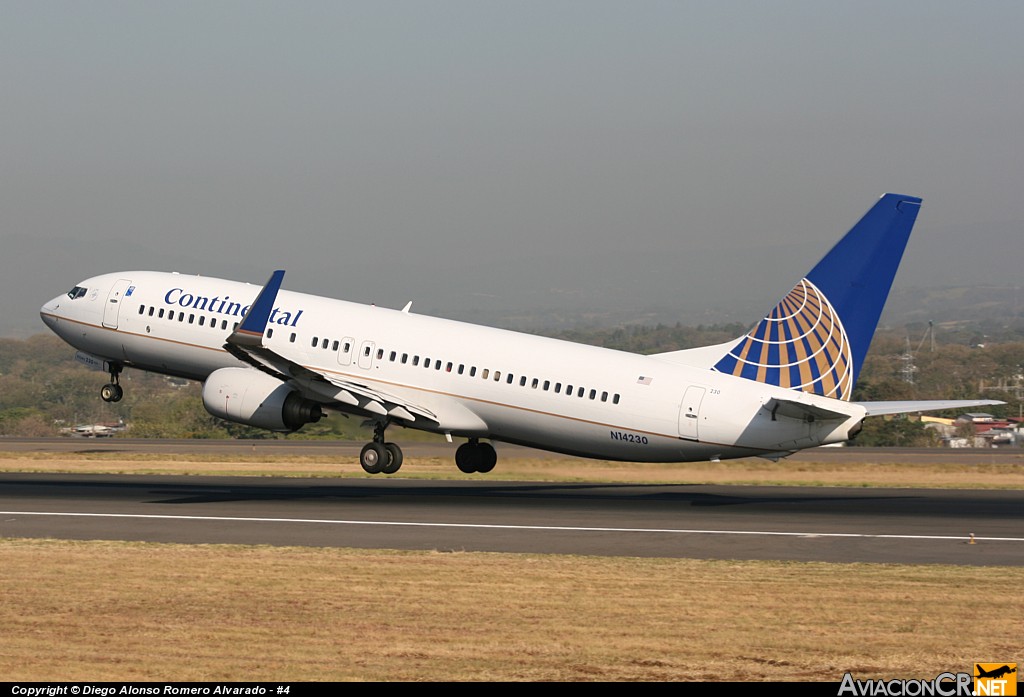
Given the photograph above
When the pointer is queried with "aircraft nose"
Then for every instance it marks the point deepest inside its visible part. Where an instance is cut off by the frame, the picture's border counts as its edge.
(48, 312)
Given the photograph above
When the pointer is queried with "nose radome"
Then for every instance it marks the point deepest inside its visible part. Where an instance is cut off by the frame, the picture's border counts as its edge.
(47, 311)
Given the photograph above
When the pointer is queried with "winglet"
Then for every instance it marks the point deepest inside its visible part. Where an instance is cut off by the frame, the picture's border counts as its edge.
(250, 331)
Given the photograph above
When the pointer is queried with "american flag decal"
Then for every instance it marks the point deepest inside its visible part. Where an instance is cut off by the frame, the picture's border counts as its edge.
(643, 380)
(801, 345)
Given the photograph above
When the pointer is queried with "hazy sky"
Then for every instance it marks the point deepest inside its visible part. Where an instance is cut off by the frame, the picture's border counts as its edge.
(495, 156)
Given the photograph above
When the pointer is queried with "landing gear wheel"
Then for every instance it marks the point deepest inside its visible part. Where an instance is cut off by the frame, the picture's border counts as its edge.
(465, 458)
(373, 457)
(111, 392)
(394, 461)
(475, 456)
(488, 458)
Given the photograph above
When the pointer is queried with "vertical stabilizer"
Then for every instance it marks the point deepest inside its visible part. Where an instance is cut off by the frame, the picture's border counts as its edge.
(816, 338)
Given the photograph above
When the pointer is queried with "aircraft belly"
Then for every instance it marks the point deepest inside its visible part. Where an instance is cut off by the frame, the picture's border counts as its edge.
(194, 362)
(580, 436)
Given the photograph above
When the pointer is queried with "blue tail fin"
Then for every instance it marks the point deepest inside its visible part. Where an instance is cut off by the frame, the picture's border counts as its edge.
(816, 338)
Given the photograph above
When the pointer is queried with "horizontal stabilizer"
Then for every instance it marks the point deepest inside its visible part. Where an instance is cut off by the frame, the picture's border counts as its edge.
(912, 407)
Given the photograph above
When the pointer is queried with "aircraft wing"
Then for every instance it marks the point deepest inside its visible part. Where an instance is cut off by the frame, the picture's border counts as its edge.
(911, 407)
(246, 344)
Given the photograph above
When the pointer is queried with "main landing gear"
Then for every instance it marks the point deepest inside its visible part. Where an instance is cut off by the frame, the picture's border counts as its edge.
(112, 391)
(475, 456)
(379, 457)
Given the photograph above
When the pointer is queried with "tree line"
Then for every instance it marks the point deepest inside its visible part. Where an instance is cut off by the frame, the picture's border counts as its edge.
(44, 391)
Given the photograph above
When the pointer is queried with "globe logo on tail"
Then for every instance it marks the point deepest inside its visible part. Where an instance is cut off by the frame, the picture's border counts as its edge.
(801, 345)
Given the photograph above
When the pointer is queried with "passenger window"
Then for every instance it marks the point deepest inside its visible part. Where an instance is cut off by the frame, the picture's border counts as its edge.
(535, 383)
(142, 309)
(604, 396)
(380, 353)
(323, 344)
(484, 373)
(151, 311)
(405, 358)
(593, 393)
(335, 345)
(522, 381)
(270, 332)
(558, 388)
(497, 375)
(315, 341)
(202, 321)
(510, 378)
(580, 392)
(547, 384)
(291, 338)
(162, 313)
(462, 368)
(472, 372)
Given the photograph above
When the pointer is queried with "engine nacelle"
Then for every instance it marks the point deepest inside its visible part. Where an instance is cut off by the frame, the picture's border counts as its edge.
(250, 397)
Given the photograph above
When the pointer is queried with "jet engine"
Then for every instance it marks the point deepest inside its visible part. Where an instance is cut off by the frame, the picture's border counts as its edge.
(250, 397)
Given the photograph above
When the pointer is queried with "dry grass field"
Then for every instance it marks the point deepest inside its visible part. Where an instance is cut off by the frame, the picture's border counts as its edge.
(823, 467)
(133, 611)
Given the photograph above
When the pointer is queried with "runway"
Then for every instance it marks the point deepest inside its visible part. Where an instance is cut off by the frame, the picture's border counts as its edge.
(677, 521)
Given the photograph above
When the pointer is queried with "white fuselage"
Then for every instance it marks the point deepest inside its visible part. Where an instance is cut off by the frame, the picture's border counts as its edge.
(478, 381)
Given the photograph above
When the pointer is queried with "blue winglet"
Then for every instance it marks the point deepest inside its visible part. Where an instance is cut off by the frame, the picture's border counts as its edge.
(816, 338)
(255, 321)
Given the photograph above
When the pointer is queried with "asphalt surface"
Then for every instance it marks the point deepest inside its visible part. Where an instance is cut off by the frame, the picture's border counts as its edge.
(680, 521)
(348, 451)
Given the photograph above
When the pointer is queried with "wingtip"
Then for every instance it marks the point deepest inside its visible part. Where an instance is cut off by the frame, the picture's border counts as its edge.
(902, 198)
(255, 321)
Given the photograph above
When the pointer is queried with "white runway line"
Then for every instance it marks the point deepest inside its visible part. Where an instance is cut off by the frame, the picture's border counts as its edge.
(482, 526)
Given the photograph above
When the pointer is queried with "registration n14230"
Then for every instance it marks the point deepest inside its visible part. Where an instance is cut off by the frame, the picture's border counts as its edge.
(628, 437)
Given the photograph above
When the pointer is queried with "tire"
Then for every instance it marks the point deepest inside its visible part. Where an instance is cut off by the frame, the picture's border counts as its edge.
(111, 392)
(394, 460)
(373, 458)
(466, 457)
(488, 458)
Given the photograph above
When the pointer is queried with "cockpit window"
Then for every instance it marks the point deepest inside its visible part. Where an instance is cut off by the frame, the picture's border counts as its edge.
(76, 292)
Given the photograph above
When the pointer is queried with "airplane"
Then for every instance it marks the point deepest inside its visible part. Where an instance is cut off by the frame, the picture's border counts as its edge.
(996, 673)
(278, 359)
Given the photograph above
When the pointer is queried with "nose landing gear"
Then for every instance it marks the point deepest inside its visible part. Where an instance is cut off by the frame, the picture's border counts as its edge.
(112, 391)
